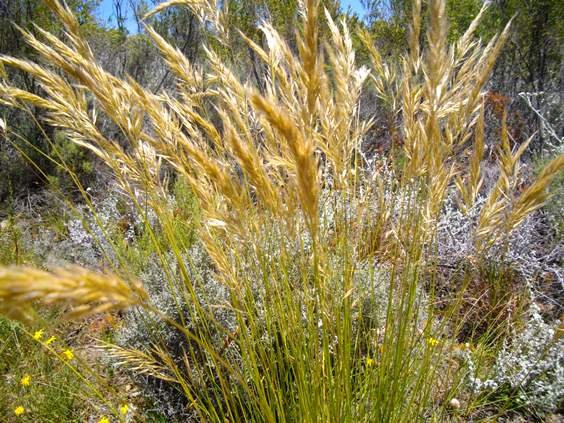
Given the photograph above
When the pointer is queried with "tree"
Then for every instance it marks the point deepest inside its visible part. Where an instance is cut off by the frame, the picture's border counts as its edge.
(16, 172)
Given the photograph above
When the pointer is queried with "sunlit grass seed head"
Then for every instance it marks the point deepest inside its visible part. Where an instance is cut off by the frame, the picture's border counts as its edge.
(89, 292)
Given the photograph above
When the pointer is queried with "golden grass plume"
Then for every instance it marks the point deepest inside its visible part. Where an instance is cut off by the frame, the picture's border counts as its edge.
(85, 291)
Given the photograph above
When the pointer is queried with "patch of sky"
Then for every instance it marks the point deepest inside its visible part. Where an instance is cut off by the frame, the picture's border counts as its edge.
(355, 6)
(106, 12)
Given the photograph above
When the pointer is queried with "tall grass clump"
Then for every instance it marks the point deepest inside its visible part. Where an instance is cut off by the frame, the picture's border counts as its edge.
(323, 262)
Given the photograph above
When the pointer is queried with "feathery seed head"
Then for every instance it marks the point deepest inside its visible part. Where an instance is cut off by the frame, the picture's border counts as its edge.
(86, 291)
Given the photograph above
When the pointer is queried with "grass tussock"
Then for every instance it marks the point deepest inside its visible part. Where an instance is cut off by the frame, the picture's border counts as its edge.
(327, 260)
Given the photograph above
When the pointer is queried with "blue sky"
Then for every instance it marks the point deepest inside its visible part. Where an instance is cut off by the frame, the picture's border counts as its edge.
(354, 5)
(105, 12)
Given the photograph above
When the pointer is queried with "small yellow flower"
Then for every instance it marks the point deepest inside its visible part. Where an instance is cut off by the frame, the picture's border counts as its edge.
(38, 334)
(123, 409)
(369, 362)
(104, 419)
(26, 380)
(69, 355)
(19, 410)
(50, 340)
(432, 341)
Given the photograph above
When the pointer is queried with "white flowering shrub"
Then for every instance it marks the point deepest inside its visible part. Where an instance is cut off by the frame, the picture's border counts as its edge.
(529, 368)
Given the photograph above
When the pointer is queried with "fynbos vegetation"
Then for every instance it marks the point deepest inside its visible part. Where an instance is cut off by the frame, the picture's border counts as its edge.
(271, 266)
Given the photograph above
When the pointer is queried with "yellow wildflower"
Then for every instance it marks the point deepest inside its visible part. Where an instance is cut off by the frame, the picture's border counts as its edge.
(69, 355)
(104, 419)
(19, 410)
(432, 341)
(50, 340)
(26, 380)
(38, 334)
(123, 409)
(369, 362)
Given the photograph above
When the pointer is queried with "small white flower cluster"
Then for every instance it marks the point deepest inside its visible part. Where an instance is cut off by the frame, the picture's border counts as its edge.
(526, 250)
(456, 229)
(88, 232)
(532, 365)
(88, 235)
(77, 234)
